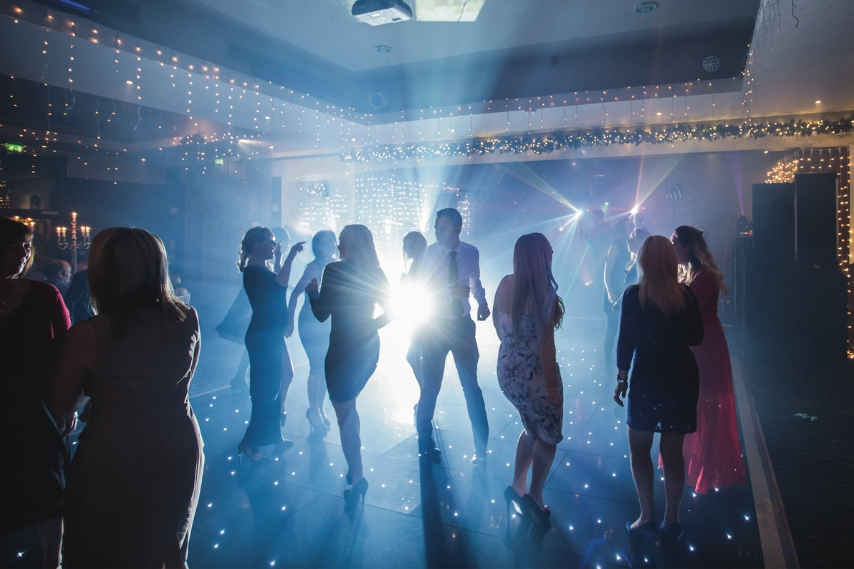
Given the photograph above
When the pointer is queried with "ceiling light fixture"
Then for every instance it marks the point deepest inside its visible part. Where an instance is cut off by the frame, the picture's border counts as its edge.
(818, 102)
(383, 48)
(379, 12)
(645, 7)
(129, 82)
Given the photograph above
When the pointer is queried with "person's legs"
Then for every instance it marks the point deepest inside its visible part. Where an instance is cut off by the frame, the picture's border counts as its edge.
(674, 474)
(50, 532)
(434, 353)
(314, 394)
(351, 442)
(524, 457)
(466, 355)
(640, 444)
(239, 379)
(544, 455)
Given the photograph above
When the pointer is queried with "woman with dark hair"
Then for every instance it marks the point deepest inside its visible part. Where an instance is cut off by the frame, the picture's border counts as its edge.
(270, 369)
(527, 312)
(134, 482)
(660, 319)
(314, 335)
(352, 287)
(33, 325)
(616, 260)
(713, 453)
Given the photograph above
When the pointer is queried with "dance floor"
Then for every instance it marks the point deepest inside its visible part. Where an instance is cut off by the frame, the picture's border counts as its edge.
(288, 511)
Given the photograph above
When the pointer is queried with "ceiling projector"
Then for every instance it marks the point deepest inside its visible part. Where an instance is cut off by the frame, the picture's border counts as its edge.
(379, 12)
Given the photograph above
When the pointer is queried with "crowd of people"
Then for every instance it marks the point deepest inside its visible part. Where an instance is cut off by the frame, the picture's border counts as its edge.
(128, 496)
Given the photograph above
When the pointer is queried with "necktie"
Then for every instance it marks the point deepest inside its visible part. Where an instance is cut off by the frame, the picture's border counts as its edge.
(454, 283)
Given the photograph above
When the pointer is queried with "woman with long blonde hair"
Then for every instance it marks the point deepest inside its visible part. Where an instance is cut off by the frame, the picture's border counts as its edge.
(134, 481)
(527, 312)
(660, 320)
(713, 453)
(351, 289)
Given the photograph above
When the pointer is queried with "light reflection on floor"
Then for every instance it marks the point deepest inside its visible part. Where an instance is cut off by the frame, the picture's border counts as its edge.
(288, 511)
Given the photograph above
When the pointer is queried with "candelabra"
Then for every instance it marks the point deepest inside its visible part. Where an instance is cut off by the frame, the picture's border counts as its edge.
(62, 239)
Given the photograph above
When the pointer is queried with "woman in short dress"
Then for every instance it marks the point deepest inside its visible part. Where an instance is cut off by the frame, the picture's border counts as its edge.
(352, 287)
(660, 320)
(527, 312)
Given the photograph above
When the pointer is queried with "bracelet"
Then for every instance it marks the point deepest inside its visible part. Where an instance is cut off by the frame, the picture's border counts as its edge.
(622, 380)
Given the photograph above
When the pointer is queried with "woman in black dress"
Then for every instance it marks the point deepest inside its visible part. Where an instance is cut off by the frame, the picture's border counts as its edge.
(270, 369)
(33, 325)
(352, 287)
(660, 319)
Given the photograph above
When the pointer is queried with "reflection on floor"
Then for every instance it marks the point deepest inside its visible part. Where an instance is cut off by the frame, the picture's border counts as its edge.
(288, 510)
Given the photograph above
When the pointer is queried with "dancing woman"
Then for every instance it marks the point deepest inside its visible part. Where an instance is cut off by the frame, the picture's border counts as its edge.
(352, 287)
(33, 326)
(134, 481)
(414, 245)
(270, 369)
(314, 335)
(527, 312)
(660, 319)
(713, 453)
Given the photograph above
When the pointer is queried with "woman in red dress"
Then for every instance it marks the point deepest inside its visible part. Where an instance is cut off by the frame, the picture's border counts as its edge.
(712, 454)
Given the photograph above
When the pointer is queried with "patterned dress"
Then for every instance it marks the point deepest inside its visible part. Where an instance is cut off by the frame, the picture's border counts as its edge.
(520, 376)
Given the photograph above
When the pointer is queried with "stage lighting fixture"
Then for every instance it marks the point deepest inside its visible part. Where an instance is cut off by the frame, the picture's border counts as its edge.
(379, 12)
(635, 210)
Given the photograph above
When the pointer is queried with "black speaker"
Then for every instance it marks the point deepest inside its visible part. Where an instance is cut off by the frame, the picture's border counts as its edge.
(815, 221)
(774, 219)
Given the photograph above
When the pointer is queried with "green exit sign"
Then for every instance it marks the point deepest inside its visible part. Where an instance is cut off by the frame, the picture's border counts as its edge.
(14, 148)
(219, 161)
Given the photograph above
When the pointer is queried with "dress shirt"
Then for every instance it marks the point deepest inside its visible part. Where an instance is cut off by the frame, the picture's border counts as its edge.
(434, 272)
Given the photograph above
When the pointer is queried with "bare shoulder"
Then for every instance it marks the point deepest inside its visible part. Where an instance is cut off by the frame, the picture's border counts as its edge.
(504, 294)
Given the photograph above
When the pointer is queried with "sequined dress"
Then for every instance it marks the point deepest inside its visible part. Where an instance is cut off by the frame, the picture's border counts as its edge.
(664, 383)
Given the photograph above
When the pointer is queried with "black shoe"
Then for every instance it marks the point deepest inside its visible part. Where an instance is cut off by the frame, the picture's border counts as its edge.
(515, 500)
(430, 453)
(534, 511)
(640, 540)
(357, 493)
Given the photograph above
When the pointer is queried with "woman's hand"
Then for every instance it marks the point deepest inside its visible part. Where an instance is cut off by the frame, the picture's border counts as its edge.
(297, 248)
(289, 331)
(622, 386)
(554, 396)
(312, 286)
(67, 424)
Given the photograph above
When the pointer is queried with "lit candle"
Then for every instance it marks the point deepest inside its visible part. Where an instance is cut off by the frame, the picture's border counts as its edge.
(58, 231)
(63, 232)
(73, 217)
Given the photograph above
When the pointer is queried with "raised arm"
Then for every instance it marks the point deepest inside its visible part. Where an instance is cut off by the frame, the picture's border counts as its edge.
(285, 274)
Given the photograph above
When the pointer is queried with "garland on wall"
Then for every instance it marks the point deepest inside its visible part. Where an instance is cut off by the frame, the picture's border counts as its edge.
(552, 142)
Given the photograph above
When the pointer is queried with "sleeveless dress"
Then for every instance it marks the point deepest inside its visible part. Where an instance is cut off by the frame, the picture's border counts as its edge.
(520, 376)
(713, 454)
(134, 482)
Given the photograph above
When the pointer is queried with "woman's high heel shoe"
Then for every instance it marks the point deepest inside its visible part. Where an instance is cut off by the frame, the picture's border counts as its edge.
(353, 495)
(515, 500)
(319, 428)
(639, 540)
(538, 515)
